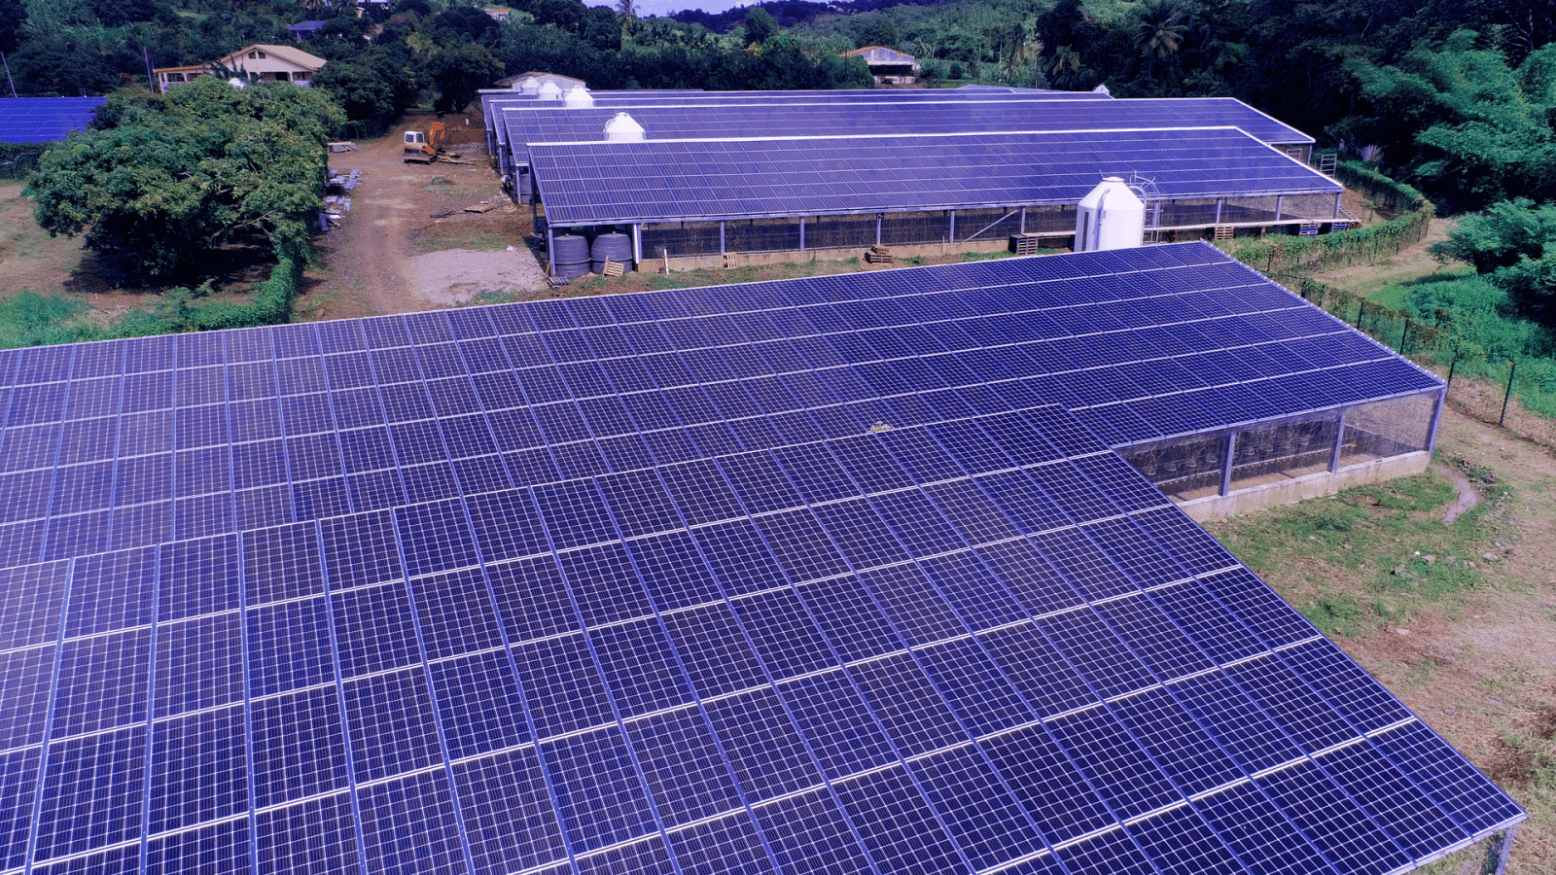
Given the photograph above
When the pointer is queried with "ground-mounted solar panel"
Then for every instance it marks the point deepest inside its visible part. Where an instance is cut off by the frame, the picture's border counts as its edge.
(681, 180)
(674, 581)
(45, 119)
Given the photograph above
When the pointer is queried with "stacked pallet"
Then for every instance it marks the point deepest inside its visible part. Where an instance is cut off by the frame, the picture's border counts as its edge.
(1224, 232)
(1024, 244)
(880, 255)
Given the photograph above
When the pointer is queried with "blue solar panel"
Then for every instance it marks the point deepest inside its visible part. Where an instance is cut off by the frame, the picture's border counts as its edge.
(604, 183)
(876, 635)
(45, 119)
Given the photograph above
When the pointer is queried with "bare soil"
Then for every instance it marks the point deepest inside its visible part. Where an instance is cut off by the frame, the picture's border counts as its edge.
(390, 255)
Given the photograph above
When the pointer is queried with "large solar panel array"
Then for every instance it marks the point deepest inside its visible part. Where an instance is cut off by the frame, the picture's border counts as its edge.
(44, 119)
(663, 180)
(794, 120)
(786, 577)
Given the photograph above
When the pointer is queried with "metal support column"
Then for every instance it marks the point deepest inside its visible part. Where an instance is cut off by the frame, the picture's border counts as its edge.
(1280, 205)
(953, 225)
(880, 219)
(637, 244)
(802, 233)
(1023, 221)
(1220, 202)
(1507, 846)
(1437, 418)
(1337, 206)
(721, 238)
(1226, 469)
(1339, 439)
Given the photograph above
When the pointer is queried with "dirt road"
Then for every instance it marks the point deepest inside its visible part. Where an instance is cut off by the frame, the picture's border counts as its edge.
(391, 256)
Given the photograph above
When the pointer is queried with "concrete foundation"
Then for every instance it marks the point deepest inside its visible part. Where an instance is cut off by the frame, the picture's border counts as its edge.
(1212, 507)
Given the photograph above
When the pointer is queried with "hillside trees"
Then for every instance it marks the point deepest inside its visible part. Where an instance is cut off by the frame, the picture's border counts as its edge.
(181, 175)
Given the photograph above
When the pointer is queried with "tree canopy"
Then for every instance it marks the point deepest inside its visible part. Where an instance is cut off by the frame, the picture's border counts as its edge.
(176, 177)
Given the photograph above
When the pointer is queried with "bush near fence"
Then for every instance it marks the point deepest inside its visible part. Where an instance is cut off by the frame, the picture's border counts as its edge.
(1412, 217)
(19, 159)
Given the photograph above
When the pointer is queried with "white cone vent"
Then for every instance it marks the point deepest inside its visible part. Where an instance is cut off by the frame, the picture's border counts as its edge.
(550, 91)
(579, 98)
(623, 128)
(1110, 217)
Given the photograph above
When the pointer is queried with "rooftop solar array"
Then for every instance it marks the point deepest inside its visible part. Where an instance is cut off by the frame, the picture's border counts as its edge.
(754, 120)
(804, 576)
(663, 180)
(44, 119)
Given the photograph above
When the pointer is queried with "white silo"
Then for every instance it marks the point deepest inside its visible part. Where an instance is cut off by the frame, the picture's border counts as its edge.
(579, 97)
(1110, 217)
(550, 91)
(623, 128)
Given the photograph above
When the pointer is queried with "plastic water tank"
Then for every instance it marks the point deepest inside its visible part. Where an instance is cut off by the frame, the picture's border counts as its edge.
(571, 254)
(578, 98)
(1110, 217)
(614, 246)
(623, 128)
(550, 91)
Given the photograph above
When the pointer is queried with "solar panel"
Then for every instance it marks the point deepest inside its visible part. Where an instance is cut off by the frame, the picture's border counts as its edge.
(761, 119)
(350, 595)
(44, 119)
(677, 180)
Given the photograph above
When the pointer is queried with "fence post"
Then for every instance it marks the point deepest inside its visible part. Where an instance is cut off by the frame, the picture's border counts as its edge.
(1403, 335)
(1512, 368)
(1361, 310)
(1451, 365)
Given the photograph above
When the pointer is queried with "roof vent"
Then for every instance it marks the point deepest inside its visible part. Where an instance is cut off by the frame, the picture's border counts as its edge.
(550, 91)
(579, 98)
(623, 128)
(529, 86)
(1103, 90)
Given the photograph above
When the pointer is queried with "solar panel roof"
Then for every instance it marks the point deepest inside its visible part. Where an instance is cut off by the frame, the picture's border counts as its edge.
(44, 119)
(660, 583)
(667, 180)
(754, 120)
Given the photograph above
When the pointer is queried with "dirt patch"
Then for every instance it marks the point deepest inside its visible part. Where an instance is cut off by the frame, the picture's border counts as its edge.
(1468, 498)
(378, 262)
(455, 276)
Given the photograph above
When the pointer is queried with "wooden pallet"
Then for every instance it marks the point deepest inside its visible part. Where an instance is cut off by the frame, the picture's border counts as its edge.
(1225, 232)
(880, 255)
(1025, 244)
(614, 268)
(556, 282)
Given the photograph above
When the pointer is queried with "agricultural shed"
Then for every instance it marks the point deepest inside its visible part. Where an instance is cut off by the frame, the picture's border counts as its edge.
(815, 575)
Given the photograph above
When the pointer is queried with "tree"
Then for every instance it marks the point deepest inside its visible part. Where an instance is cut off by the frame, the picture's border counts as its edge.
(1461, 124)
(460, 71)
(628, 10)
(181, 175)
(760, 26)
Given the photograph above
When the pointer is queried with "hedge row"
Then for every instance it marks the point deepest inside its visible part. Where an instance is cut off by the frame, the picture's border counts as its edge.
(1345, 248)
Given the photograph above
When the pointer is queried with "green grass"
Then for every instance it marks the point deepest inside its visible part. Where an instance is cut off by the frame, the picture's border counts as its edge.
(1371, 554)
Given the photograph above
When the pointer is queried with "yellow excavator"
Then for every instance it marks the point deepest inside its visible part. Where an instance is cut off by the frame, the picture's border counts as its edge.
(423, 147)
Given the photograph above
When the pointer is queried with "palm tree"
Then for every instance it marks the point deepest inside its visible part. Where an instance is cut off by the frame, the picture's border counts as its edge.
(1065, 66)
(1161, 31)
(628, 10)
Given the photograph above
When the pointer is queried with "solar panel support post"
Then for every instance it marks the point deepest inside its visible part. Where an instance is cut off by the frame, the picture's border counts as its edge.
(1507, 846)
(1023, 228)
(1226, 466)
(802, 233)
(1337, 205)
(1339, 441)
(1220, 202)
(551, 248)
(1437, 418)
(880, 219)
(722, 251)
(952, 226)
(637, 242)
(1280, 205)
